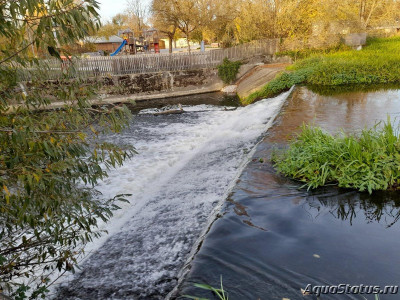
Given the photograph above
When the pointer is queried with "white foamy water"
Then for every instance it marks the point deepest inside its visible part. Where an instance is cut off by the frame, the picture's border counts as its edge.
(185, 166)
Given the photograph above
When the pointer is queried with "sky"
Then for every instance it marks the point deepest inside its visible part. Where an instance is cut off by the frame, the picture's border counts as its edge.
(109, 8)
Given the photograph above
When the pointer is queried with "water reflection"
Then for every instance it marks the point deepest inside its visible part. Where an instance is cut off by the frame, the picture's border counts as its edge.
(356, 88)
(380, 207)
(350, 111)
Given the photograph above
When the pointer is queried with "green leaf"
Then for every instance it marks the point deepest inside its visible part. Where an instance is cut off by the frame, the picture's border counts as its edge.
(53, 52)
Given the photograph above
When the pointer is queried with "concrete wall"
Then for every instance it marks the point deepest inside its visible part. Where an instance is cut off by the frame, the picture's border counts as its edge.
(159, 82)
(140, 87)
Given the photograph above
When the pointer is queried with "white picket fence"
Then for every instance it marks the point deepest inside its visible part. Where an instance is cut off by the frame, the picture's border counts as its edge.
(144, 63)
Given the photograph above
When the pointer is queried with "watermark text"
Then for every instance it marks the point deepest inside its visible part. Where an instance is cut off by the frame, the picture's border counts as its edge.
(349, 289)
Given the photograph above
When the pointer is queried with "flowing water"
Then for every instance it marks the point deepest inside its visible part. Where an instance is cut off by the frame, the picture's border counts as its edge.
(274, 238)
(185, 168)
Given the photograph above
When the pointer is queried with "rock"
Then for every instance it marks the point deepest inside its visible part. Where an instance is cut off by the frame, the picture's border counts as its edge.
(169, 112)
(230, 89)
(170, 109)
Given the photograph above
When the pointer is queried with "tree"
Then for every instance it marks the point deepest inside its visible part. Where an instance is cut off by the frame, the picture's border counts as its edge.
(165, 19)
(240, 21)
(123, 21)
(137, 12)
(188, 17)
(170, 15)
(118, 22)
(367, 8)
(50, 161)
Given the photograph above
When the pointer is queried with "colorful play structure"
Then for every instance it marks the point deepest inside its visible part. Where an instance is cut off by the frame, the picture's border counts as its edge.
(119, 48)
(147, 42)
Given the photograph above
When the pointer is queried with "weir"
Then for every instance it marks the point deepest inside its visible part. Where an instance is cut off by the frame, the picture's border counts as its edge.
(185, 167)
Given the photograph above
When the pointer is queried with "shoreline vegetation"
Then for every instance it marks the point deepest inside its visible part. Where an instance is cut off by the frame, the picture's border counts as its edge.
(338, 68)
(367, 161)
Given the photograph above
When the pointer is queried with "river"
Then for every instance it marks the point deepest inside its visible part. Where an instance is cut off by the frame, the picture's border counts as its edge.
(185, 168)
(273, 238)
(207, 204)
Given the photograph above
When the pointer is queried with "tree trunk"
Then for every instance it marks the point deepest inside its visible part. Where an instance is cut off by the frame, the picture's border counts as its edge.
(171, 38)
(188, 37)
(362, 13)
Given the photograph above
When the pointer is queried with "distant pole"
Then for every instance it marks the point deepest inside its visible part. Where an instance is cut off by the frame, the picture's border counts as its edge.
(202, 47)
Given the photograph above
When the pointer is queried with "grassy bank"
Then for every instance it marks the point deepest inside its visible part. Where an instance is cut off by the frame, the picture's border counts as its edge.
(377, 63)
(366, 162)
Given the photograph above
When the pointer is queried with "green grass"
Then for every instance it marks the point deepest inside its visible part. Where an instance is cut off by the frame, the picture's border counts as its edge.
(307, 52)
(220, 293)
(368, 161)
(377, 63)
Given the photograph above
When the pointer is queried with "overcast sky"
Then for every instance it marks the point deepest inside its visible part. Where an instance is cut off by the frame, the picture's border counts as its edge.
(109, 8)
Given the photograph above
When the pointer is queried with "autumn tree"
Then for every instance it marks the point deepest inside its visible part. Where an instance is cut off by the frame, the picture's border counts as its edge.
(165, 18)
(133, 18)
(185, 15)
(189, 16)
(137, 13)
(118, 22)
(240, 21)
(50, 160)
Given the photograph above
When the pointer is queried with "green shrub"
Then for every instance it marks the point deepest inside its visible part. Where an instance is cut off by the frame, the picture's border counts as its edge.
(228, 70)
(305, 53)
(377, 63)
(366, 162)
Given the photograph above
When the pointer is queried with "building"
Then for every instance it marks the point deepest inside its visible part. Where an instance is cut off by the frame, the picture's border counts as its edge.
(179, 43)
(107, 45)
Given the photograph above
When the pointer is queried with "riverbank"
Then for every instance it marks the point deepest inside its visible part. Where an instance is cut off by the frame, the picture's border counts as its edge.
(377, 63)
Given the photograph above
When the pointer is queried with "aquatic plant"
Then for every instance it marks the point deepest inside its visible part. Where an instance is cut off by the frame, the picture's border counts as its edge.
(228, 70)
(220, 293)
(367, 161)
(377, 63)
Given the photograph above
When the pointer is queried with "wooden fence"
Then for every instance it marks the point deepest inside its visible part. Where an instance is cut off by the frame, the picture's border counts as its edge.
(144, 63)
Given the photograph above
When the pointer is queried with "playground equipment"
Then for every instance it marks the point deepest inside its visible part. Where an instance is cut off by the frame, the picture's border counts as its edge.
(148, 41)
(119, 48)
(151, 40)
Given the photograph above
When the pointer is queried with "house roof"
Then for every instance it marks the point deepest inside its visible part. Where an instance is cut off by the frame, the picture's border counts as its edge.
(104, 40)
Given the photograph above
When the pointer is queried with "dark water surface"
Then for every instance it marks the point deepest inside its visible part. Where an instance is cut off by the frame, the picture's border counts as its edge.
(273, 238)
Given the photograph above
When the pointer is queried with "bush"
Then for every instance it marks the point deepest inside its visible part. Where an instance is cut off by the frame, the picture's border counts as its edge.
(228, 70)
(377, 63)
(305, 53)
(366, 162)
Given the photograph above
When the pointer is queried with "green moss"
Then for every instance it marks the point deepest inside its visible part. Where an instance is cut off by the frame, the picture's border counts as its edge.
(228, 70)
(366, 162)
(377, 63)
